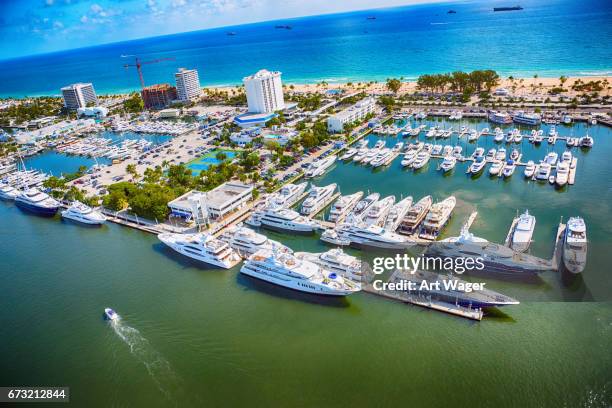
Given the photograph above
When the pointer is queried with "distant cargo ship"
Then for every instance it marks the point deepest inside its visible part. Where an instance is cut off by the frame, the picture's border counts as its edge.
(507, 8)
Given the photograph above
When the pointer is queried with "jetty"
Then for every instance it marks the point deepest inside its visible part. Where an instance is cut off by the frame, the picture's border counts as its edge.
(558, 248)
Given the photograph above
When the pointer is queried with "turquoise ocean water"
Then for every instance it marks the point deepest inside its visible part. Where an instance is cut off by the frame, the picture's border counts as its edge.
(549, 38)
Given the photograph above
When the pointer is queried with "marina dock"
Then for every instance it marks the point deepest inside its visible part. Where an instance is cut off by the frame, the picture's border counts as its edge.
(510, 231)
(558, 249)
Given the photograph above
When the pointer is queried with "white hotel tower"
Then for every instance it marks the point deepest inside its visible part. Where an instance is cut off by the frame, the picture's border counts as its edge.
(264, 92)
(187, 84)
(79, 96)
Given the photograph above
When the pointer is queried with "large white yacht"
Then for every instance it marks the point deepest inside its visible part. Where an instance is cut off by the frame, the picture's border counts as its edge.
(362, 206)
(543, 171)
(344, 205)
(372, 236)
(562, 174)
(415, 216)
(500, 117)
(575, 245)
(202, 247)
(531, 119)
(36, 201)
(523, 231)
(397, 214)
(83, 213)
(287, 195)
(318, 167)
(284, 269)
(335, 260)
(8, 192)
(317, 198)
(247, 242)
(282, 219)
(377, 214)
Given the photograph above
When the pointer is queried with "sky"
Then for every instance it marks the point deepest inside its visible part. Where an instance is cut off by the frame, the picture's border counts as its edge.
(39, 26)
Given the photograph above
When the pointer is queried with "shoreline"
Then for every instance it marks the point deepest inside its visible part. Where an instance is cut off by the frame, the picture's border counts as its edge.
(408, 84)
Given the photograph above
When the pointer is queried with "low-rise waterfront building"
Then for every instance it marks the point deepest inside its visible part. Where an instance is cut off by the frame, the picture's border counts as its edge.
(253, 119)
(93, 111)
(158, 96)
(169, 113)
(264, 92)
(62, 128)
(202, 207)
(79, 95)
(358, 111)
(187, 84)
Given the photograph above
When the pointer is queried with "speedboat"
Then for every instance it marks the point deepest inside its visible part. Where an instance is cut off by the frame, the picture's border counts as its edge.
(530, 169)
(499, 135)
(349, 153)
(491, 154)
(83, 213)
(437, 149)
(36, 201)
(421, 160)
(575, 245)
(515, 155)
(110, 314)
(551, 158)
(586, 141)
(567, 157)
(478, 152)
(501, 154)
(523, 231)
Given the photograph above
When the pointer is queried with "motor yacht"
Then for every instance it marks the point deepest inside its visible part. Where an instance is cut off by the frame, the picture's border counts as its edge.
(500, 117)
(562, 174)
(36, 201)
(509, 169)
(473, 136)
(285, 269)
(530, 169)
(318, 197)
(531, 119)
(523, 231)
(331, 237)
(586, 141)
(288, 195)
(246, 242)
(457, 152)
(318, 167)
(437, 149)
(491, 154)
(362, 206)
(543, 171)
(567, 157)
(437, 217)
(501, 154)
(373, 236)
(8, 192)
(448, 163)
(515, 155)
(409, 158)
(335, 260)
(282, 219)
(348, 154)
(477, 165)
(575, 245)
(397, 214)
(496, 167)
(344, 205)
(82, 213)
(551, 158)
(382, 157)
(479, 151)
(378, 212)
(499, 135)
(415, 216)
(202, 247)
(421, 160)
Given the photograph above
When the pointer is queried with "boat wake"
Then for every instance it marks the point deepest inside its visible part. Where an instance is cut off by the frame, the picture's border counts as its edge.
(167, 381)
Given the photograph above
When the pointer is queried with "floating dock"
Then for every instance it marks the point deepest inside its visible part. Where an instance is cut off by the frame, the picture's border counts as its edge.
(558, 250)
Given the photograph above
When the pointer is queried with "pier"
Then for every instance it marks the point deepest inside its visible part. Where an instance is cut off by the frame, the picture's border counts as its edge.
(558, 249)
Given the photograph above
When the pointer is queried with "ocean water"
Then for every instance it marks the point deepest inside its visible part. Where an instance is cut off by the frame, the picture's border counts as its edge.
(193, 336)
(549, 38)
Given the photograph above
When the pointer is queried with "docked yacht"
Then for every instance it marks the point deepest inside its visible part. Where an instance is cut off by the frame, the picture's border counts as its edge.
(335, 260)
(523, 231)
(373, 236)
(415, 216)
(378, 212)
(543, 171)
(447, 288)
(421, 160)
(496, 259)
(317, 168)
(36, 201)
(246, 241)
(288, 195)
(586, 141)
(318, 197)
(8, 192)
(344, 205)
(348, 154)
(531, 119)
(331, 237)
(530, 169)
(448, 163)
(477, 165)
(437, 217)
(285, 269)
(575, 245)
(500, 117)
(409, 158)
(83, 213)
(473, 136)
(551, 158)
(479, 151)
(282, 219)
(501, 154)
(382, 158)
(499, 135)
(562, 174)
(491, 155)
(202, 247)
(437, 149)
(362, 206)
(496, 167)
(508, 169)
(397, 214)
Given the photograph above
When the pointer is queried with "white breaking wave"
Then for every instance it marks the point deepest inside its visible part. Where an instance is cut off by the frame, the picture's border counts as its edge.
(157, 366)
(595, 73)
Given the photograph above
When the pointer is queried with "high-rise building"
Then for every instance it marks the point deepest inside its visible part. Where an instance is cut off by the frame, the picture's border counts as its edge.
(187, 84)
(264, 91)
(158, 96)
(79, 96)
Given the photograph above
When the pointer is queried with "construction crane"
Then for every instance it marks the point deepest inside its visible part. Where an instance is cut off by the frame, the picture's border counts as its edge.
(138, 64)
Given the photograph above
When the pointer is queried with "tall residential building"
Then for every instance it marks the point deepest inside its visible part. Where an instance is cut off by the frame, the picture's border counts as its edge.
(79, 96)
(264, 92)
(187, 84)
(158, 96)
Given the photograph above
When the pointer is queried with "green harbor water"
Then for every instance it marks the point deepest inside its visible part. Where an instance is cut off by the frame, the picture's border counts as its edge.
(191, 336)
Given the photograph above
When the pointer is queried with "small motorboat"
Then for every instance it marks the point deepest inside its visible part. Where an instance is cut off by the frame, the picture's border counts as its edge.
(552, 179)
(110, 314)
(509, 168)
(496, 168)
(530, 169)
